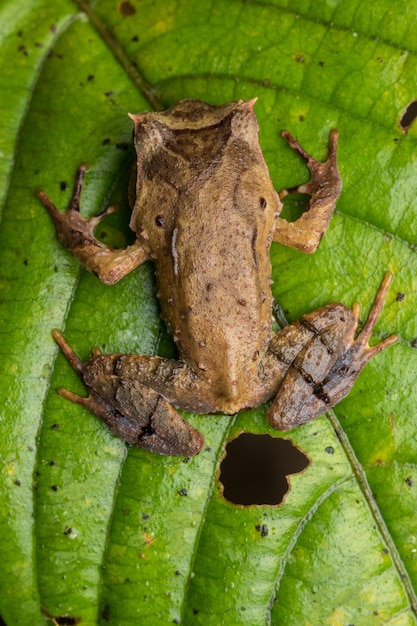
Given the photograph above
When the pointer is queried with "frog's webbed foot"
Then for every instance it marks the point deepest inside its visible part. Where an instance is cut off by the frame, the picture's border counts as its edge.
(324, 187)
(74, 231)
(326, 367)
(137, 414)
(77, 235)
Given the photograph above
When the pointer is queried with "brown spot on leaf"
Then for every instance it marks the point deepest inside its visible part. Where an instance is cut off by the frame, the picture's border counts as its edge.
(126, 9)
(255, 469)
(408, 116)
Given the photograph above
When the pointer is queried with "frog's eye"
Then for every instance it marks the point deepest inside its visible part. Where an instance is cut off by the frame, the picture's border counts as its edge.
(262, 203)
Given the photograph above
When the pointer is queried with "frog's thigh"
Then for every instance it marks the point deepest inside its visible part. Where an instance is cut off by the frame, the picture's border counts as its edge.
(173, 379)
(142, 388)
(304, 353)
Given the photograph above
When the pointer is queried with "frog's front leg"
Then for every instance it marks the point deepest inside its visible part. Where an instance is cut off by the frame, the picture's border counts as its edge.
(76, 234)
(323, 360)
(134, 412)
(324, 187)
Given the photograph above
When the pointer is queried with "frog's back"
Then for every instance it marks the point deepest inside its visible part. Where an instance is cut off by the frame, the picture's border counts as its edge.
(206, 208)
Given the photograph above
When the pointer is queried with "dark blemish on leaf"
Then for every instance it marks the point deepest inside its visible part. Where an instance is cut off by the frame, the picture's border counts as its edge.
(183, 492)
(54, 426)
(255, 468)
(126, 9)
(20, 33)
(176, 620)
(145, 516)
(54, 487)
(263, 529)
(52, 28)
(409, 482)
(25, 262)
(105, 142)
(299, 58)
(396, 140)
(108, 94)
(177, 572)
(301, 118)
(105, 614)
(266, 82)
(52, 463)
(329, 450)
(414, 343)
(90, 77)
(400, 297)
(122, 145)
(65, 620)
(67, 530)
(321, 63)
(408, 116)
(63, 185)
(135, 38)
(18, 482)
(61, 620)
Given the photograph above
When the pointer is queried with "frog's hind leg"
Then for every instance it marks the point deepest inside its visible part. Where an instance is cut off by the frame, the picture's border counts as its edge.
(324, 370)
(134, 412)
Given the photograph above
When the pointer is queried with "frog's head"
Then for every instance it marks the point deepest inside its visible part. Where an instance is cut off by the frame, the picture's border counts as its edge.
(195, 132)
(196, 117)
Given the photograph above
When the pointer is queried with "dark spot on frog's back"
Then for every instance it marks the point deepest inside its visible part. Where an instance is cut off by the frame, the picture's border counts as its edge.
(253, 243)
(160, 165)
(200, 146)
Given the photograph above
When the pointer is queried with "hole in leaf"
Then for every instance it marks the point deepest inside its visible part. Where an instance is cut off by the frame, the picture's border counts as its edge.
(409, 115)
(255, 469)
(294, 205)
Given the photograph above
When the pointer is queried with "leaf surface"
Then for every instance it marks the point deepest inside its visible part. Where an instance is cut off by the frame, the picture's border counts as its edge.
(93, 531)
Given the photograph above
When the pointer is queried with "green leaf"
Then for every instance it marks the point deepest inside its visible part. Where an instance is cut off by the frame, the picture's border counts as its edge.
(97, 533)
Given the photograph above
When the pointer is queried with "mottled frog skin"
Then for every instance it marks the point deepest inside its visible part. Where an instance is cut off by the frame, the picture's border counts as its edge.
(205, 212)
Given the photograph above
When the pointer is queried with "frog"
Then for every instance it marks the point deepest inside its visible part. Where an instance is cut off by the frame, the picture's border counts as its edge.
(206, 213)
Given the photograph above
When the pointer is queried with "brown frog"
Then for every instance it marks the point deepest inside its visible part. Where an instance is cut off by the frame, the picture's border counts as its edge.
(205, 211)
